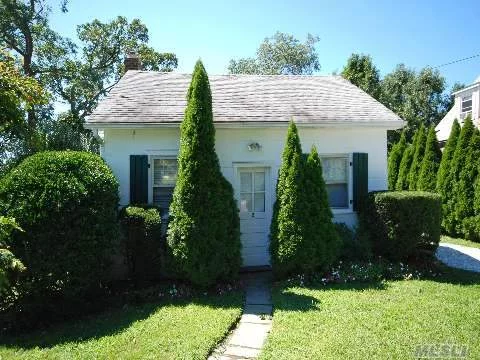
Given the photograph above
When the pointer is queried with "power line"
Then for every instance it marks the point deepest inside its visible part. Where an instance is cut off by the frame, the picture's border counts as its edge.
(457, 61)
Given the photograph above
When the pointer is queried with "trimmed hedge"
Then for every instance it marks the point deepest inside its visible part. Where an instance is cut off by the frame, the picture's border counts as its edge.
(142, 228)
(66, 203)
(402, 223)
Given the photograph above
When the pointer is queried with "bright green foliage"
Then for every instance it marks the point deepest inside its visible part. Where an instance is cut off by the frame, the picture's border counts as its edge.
(321, 244)
(407, 158)
(204, 233)
(10, 266)
(66, 203)
(427, 180)
(142, 226)
(450, 223)
(281, 54)
(464, 188)
(414, 172)
(402, 223)
(394, 160)
(447, 156)
(286, 232)
(361, 72)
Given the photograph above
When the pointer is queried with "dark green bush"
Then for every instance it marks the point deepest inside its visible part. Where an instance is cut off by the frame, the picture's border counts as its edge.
(204, 233)
(66, 203)
(471, 228)
(355, 245)
(144, 248)
(10, 266)
(402, 223)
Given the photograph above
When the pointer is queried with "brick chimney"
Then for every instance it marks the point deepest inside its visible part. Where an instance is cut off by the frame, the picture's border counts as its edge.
(132, 61)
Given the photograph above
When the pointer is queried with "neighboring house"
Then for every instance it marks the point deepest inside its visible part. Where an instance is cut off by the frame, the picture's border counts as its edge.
(139, 122)
(467, 102)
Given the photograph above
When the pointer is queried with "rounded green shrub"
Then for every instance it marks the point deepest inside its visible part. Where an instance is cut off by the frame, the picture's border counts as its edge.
(402, 223)
(142, 228)
(66, 203)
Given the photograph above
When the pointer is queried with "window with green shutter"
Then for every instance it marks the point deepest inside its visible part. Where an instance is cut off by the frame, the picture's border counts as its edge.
(138, 179)
(164, 179)
(360, 179)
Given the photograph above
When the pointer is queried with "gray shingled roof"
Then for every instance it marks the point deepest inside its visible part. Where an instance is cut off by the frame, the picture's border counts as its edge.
(143, 97)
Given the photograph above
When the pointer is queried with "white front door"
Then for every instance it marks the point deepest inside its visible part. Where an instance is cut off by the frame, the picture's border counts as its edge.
(254, 208)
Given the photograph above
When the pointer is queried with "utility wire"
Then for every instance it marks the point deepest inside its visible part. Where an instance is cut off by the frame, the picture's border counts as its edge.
(457, 61)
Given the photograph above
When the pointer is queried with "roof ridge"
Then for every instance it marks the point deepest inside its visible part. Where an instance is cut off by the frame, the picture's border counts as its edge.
(239, 75)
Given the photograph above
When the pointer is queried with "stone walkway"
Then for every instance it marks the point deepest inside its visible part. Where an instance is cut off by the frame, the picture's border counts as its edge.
(247, 339)
(458, 256)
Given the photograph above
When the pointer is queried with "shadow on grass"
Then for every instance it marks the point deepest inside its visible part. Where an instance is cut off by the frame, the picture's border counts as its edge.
(110, 322)
(450, 275)
(291, 301)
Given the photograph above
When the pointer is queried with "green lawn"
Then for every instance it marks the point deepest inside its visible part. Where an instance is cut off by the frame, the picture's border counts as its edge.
(375, 321)
(448, 239)
(176, 330)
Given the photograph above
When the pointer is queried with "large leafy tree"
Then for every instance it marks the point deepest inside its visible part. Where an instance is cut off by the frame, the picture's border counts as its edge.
(394, 160)
(361, 71)
(427, 179)
(203, 235)
(281, 54)
(75, 73)
(18, 93)
(417, 97)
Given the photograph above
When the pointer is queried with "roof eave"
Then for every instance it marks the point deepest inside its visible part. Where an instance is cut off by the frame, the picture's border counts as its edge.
(387, 125)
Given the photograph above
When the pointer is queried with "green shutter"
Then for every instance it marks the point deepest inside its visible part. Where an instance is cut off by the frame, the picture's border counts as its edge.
(360, 179)
(138, 179)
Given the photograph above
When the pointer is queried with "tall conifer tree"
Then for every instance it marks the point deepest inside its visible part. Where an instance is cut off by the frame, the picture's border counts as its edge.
(419, 151)
(427, 180)
(286, 233)
(447, 156)
(449, 219)
(203, 235)
(394, 160)
(464, 188)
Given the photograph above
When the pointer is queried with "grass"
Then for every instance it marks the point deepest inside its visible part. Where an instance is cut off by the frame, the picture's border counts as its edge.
(175, 330)
(448, 239)
(384, 320)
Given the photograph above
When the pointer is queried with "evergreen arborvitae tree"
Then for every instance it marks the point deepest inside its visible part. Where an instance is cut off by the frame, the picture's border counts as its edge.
(464, 190)
(447, 156)
(449, 219)
(417, 158)
(394, 160)
(402, 179)
(321, 244)
(427, 180)
(204, 233)
(286, 232)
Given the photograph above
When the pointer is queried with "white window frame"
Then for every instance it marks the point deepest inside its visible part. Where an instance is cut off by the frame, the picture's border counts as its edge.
(349, 160)
(151, 169)
(464, 99)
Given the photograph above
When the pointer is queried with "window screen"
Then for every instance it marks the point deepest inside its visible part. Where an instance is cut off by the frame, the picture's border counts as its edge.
(335, 174)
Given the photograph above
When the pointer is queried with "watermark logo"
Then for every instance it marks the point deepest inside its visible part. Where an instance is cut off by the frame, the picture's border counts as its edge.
(441, 351)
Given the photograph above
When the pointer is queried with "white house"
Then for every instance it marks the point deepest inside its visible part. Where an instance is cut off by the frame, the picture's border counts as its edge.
(140, 121)
(467, 102)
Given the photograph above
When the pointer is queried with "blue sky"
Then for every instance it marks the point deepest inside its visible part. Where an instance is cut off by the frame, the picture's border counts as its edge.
(417, 33)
